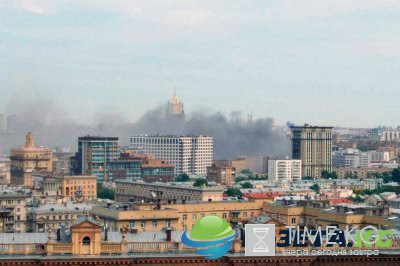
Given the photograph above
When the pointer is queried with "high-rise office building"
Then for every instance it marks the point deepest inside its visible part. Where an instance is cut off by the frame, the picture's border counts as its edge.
(93, 155)
(189, 154)
(313, 146)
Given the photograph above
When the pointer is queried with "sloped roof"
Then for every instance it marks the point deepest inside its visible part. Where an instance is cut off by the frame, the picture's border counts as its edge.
(82, 220)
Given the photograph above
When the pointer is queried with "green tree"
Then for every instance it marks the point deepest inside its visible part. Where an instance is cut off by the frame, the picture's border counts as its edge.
(246, 172)
(247, 185)
(396, 175)
(233, 192)
(328, 175)
(325, 174)
(357, 198)
(200, 183)
(315, 187)
(105, 192)
(387, 177)
(182, 178)
(307, 178)
(334, 175)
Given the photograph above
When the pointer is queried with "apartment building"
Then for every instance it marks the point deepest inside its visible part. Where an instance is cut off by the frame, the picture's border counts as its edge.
(284, 170)
(313, 146)
(13, 209)
(224, 175)
(189, 154)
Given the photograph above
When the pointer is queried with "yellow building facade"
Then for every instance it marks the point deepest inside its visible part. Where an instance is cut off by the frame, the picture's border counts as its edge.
(314, 217)
(146, 217)
(78, 188)
(27, 159)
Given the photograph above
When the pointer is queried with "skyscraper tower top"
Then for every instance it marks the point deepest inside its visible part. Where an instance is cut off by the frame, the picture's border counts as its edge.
(29, 140)
(175, 106)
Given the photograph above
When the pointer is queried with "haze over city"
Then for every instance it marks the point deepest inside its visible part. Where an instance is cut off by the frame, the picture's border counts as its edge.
(170, 132)
(325, 62)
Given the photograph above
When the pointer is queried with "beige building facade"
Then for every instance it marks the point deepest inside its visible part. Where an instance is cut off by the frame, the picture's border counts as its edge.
(26, 160)
(146, 217)
(13, 205)
(314, 216)
(224, 175)
(78, 187)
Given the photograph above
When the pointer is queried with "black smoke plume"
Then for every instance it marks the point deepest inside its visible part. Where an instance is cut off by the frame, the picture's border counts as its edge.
(233, 135)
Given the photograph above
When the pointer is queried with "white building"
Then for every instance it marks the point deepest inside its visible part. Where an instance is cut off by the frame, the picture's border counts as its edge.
(379, 156)
(351, 158)
(189, 154)
(284, 170)
(390, 135)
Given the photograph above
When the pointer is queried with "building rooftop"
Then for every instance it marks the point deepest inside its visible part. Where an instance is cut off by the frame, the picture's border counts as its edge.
(169, 185)
(24, 238)
(168, 136)
(148, 236)
(98, 138)
(63, 207)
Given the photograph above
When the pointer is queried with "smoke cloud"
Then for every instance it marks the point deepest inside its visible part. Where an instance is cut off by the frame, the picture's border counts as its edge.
(234, 135)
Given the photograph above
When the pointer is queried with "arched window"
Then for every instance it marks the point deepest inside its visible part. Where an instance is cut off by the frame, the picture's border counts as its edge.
(86, 241)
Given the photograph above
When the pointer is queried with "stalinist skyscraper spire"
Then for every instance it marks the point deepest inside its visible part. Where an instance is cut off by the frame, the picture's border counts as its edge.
(175, 107)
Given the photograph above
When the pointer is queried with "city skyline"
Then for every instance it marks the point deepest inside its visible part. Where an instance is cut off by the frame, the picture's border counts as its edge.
(282, 60)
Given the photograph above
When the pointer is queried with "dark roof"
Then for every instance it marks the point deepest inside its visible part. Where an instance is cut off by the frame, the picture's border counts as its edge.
(98, 138)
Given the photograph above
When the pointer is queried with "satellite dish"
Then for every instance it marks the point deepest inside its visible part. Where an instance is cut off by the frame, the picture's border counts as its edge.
(153, 195)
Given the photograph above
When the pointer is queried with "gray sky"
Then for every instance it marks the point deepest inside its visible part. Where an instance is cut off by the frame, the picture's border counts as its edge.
(322, 62)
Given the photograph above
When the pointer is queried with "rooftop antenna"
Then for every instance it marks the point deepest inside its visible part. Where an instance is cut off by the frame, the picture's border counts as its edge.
(250, 116)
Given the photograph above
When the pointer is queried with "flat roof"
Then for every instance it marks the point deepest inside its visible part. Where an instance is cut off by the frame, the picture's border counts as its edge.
(312, 127)
(98, 138)
(166, 185)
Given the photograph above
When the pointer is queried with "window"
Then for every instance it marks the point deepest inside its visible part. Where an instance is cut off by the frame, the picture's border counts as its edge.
(132, 224)
(154, 223)
(224, 215)
(293, 220)
(184, 217)
(194, 217)
(202, 215)
(244, 214)
(143, 224)
(86, 241)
